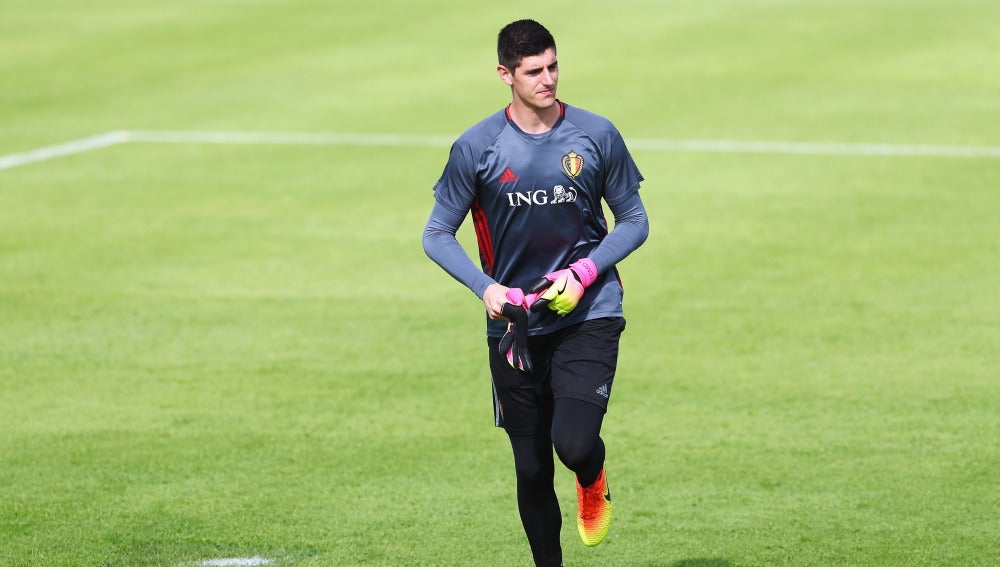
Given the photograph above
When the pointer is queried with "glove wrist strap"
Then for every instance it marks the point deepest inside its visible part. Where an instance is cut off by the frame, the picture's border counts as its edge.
(585, 271)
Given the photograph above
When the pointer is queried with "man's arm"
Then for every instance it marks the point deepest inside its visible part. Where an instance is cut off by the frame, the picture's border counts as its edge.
(561, 290)
(441, 246)
(630, 231)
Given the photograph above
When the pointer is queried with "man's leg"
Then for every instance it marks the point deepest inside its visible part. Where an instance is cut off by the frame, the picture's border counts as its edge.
(583, 371)
(536, 498)
(576, 428)
(524, 408)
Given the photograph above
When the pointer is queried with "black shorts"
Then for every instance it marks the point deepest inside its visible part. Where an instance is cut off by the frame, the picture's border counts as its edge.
(577, 362)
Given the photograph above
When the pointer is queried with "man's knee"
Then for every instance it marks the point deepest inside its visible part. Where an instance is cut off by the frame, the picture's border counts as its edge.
(532, 459)
(575, 451)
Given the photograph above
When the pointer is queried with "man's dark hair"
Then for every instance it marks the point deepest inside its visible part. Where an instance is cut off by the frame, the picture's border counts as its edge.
(521, 39)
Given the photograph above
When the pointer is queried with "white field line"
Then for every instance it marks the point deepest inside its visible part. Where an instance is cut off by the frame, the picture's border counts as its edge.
(65, 149)
(430, 141)
(237, 562)
(649, 144)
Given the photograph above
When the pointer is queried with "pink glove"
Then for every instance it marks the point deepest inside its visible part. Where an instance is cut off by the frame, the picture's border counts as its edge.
(516, 296)
(562, 290)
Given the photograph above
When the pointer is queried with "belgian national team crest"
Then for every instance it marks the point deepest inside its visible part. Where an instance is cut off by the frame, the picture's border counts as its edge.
(572, 164)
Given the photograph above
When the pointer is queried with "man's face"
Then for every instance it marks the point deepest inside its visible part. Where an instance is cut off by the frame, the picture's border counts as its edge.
(534, 80)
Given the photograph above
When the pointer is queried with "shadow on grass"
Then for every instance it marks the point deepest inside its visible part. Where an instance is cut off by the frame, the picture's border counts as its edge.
(701, 562)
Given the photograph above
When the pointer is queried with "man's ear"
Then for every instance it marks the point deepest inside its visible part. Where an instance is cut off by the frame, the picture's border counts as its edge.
(506, 75)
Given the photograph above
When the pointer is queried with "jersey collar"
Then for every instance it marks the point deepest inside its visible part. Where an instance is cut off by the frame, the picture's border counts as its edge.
(562, 115)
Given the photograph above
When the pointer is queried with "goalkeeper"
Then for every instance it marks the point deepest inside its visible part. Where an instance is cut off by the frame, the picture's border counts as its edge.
(533, 176)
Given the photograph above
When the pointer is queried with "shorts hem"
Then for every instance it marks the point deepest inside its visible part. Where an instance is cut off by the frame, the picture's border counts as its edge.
(602, 403)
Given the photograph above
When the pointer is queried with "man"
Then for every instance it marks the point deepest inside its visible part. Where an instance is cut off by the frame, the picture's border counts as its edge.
(533, 176)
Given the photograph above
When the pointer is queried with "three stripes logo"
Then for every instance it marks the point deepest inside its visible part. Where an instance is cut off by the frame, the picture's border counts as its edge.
(603, 391)
(508, 176)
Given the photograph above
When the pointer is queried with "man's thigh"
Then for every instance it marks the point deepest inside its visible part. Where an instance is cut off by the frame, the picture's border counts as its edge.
(522, 401)
(583, 363)
(578, 362)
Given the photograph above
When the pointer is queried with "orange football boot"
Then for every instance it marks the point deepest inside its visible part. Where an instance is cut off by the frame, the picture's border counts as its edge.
(594, 516)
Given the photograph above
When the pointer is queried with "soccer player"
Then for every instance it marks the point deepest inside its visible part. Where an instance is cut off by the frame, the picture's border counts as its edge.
(533, 175)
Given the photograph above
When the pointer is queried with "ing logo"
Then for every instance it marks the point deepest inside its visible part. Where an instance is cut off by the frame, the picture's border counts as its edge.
(559, 194)
(562, 195)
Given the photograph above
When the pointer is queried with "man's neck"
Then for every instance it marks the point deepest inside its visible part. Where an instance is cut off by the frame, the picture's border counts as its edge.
(535, 120)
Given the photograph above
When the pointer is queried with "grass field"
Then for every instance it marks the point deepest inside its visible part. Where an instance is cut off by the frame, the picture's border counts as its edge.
(239, 350)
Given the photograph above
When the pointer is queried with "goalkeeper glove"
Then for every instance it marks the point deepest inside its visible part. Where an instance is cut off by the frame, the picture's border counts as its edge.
(561, 290)
(514, 344)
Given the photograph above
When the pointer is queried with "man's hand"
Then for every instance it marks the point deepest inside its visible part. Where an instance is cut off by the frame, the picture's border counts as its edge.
(493, 298)
(562, 290)
(496, 295)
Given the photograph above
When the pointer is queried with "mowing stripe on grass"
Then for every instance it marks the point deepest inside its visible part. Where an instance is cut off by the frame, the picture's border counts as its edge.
(409, 140)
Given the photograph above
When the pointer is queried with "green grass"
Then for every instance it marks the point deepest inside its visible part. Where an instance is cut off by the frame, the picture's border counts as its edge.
(214, 351)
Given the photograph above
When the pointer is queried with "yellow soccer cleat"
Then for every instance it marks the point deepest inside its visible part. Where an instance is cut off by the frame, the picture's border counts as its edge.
(594, 516)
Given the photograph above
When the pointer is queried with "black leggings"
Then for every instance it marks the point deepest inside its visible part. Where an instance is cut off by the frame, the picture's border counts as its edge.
(575, 434)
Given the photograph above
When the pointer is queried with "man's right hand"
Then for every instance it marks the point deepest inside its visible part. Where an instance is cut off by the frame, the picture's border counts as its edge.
(493, 298)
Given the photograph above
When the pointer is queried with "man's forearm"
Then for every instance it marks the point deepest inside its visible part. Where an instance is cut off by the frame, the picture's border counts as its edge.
(441, 245)
(630, 231)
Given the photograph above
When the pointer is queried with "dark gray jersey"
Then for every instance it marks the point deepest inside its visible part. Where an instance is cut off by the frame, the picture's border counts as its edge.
(535, 201)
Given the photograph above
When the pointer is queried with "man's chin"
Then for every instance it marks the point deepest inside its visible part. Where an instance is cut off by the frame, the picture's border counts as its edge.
(546, 101)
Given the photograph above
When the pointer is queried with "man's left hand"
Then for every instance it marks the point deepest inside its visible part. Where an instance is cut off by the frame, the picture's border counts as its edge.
(562, 290)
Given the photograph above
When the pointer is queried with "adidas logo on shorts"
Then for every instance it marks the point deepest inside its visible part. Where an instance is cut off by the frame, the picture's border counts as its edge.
(603, 391)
